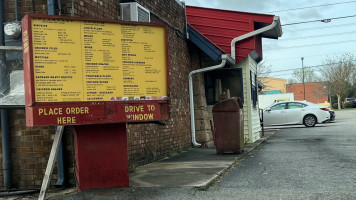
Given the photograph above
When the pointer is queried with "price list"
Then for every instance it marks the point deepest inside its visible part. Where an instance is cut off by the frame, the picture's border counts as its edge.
(141, 72)
(98, 61)
(101, 60)
(56, 65)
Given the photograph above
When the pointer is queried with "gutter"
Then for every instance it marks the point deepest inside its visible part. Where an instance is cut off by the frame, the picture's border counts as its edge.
(253, 33)
(225, 58)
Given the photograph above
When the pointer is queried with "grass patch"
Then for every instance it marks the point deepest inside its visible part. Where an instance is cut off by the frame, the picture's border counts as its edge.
(171, 154)
(186, 149)
(179, 151)
(201, 188)
(132, 168)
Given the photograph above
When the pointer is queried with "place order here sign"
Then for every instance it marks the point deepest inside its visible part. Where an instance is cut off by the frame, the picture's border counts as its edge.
(84, 71)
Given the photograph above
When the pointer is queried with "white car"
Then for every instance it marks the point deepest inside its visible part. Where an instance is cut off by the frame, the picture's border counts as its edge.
(295, 112)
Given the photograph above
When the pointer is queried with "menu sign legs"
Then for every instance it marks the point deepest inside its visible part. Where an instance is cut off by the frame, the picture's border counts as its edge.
(51, 161)
(101, 154)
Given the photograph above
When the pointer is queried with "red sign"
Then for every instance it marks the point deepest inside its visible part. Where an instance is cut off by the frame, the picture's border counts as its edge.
(95, 113)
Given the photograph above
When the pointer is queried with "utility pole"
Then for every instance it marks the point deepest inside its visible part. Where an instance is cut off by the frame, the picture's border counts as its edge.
(303, 77)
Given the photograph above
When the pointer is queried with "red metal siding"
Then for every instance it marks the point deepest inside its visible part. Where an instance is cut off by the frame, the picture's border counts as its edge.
(228, 14)
(221, 26)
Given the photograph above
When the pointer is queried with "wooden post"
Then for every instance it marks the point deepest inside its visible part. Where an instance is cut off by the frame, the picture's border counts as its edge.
(47, 177)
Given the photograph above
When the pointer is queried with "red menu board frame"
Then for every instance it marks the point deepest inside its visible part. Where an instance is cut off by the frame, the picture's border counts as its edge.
(44, 113)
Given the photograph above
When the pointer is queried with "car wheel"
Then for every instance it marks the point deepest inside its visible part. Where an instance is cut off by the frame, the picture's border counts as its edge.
(309, 120)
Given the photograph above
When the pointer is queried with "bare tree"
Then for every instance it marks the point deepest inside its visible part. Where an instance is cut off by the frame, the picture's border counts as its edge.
(309, 76)
(263, 73)
(339, 73)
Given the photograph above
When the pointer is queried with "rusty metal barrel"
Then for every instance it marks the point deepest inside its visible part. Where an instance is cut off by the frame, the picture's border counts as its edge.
(228, 125)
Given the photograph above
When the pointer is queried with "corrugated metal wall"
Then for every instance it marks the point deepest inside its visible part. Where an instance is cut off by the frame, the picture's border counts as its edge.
(221, 26)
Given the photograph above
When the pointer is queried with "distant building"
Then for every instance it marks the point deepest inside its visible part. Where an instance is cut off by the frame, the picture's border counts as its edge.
(273, 84)
(314, 92)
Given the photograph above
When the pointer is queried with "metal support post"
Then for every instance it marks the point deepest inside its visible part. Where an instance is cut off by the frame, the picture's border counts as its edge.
(52, 158)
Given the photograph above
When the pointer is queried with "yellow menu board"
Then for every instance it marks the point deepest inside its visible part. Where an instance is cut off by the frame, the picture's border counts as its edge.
(98, 61)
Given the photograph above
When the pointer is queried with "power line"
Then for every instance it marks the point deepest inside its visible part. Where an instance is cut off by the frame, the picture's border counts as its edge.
(330, 4)
(279, 75)
(319, 20)
(312, 45)
(307, 67)
(318, 36)
(282, 75)
(298, 68)
(301, 68)
(309, 56)
(322, 27)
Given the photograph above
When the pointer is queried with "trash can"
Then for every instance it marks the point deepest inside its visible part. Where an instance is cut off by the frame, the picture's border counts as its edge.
(228, 123)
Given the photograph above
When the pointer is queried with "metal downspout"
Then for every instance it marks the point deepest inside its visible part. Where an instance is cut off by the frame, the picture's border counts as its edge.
(5, 133)
(6, 150)
(186, 22)
(224, 58)
(2, 20)
(16, 10)
(51, 4)
(253, 33)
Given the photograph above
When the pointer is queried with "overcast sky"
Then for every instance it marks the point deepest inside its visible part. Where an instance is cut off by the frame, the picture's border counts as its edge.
(314, 41)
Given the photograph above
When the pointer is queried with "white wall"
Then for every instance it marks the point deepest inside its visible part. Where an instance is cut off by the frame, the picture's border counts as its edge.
(265, 100)
(254, 111)
(252, 126)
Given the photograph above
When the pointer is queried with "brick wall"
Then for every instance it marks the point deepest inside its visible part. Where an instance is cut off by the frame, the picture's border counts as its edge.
(103, 9)
(25, 7)
(30, 149)
(314, 92)
(149, 141)
(106, 9)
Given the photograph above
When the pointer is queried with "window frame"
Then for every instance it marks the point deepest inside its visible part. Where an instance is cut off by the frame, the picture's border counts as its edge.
(254, 91)
(285, 106)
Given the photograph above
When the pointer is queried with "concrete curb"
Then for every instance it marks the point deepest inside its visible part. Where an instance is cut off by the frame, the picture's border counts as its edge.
(237, 161)
(216, 177)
